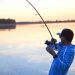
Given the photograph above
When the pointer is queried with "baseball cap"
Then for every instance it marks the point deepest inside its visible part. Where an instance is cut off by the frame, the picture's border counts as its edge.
(67, 34)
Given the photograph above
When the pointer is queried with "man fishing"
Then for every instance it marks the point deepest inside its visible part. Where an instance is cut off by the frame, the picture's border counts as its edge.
(64, 58)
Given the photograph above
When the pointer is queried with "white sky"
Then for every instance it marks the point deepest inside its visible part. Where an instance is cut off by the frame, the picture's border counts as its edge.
(49, 9)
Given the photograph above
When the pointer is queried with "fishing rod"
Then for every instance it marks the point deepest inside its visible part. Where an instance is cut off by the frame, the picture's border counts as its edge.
(41, 18)
(47, 42)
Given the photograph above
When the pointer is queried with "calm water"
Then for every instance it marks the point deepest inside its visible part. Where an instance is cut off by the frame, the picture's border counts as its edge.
(22, 50)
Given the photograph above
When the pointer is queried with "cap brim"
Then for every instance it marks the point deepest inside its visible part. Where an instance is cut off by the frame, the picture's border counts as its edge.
(59, 34)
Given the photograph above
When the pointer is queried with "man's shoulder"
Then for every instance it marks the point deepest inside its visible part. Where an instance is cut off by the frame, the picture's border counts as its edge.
(73, 46)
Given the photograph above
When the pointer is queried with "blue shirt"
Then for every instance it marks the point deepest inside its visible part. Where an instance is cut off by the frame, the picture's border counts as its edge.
(61, 64)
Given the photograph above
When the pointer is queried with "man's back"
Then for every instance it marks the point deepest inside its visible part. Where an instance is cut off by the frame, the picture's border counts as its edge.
(61, 64)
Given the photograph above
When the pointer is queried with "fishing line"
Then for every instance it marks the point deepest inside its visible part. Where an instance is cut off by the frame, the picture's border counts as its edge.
(41, 18)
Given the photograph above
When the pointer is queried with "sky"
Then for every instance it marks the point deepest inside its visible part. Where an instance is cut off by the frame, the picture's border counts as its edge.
(20, 10)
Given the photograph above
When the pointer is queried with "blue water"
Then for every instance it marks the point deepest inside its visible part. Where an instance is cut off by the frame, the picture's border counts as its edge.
(22, 62)
(22, 51)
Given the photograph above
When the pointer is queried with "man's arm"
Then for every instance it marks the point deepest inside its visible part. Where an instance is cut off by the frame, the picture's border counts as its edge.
(51, 51)
(67, 60)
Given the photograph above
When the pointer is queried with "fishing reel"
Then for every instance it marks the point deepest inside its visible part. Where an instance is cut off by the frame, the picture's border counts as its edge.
(47, 42)
(53, 41)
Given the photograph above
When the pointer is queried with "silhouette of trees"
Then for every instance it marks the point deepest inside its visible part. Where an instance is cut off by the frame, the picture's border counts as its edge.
(7, 21)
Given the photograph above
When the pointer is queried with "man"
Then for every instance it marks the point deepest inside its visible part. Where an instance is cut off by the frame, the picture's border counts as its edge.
(64, 58)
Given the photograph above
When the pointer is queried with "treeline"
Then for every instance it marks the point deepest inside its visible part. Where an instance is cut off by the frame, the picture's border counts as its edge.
(56, 21)
(40, 22)
(7, 21)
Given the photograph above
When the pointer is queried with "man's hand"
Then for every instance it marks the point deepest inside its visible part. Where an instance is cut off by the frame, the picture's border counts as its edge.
(51, 51)
(53, 41)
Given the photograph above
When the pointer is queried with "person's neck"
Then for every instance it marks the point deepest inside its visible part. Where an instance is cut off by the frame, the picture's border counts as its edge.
(67, 43)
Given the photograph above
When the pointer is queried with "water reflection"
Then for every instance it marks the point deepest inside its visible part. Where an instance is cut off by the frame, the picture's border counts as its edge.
(22, 60)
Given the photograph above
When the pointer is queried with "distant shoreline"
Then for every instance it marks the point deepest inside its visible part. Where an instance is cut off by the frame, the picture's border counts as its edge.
(40, 22)
(7, 24)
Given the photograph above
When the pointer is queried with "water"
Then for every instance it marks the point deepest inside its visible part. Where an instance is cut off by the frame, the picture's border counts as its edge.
(22, 50)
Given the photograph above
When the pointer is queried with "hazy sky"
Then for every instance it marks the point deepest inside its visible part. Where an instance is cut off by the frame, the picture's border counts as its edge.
(20, 10)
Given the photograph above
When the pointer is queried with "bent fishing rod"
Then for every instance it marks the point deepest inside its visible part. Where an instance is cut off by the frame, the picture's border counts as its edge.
(41, 18)
(43, 22)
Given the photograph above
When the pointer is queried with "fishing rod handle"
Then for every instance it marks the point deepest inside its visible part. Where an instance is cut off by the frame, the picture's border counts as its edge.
(52, 42)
